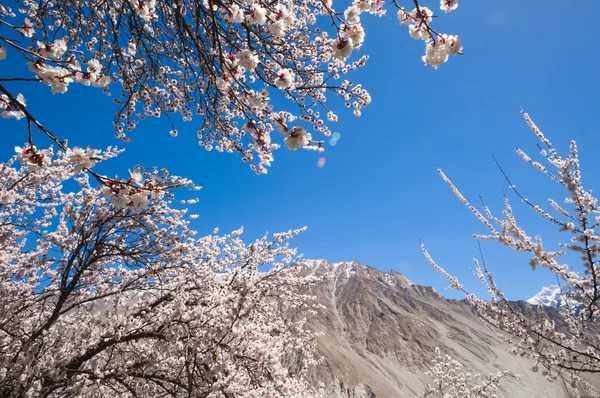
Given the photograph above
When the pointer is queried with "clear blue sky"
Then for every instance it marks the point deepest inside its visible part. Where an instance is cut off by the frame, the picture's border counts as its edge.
(378, 192)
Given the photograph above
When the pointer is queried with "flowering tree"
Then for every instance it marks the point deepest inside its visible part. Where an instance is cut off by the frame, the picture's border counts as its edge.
(567, 346)
(220, 61)
(451, 380)
(101, 299)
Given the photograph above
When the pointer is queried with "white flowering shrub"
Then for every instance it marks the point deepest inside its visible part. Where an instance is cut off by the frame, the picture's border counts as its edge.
(102, 299)
(565, 346)
(218, 61)
(451, 380)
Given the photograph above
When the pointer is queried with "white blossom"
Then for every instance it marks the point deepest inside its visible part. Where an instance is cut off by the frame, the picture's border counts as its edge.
(27, 29)
(297, 137)
(234, 14)
(285, 79)
(55, 49)
(83, 158)
(342, 48)
(248, 59)
(352, 14)
(257, 15)
(448, 5)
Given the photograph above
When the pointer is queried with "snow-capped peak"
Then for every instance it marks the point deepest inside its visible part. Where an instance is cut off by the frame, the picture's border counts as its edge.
(550, 296)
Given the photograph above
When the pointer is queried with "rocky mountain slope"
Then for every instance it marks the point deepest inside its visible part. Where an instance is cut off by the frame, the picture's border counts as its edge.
(379, 331)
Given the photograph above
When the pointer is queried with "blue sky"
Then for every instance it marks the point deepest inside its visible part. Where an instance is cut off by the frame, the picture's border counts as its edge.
(378, 192)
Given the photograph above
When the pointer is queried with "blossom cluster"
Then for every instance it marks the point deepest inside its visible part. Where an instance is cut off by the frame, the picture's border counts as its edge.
(59, 77)
(222, 62)
(452, 380)
(439, 47)
(32, 158)
(50, 64)
(12, 108)
(135, 193)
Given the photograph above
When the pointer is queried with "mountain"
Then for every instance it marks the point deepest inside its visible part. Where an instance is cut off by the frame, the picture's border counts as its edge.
(550, 296)
(379, 330)
(555, 296)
